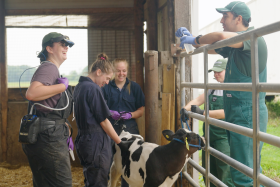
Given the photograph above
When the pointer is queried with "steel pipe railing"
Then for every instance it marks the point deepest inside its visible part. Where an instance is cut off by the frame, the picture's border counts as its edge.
(235, 164)
(242, 168)
(270, 139)
(268, 29)
(206, 134)
(201, 170)
(188, 177)
(264, 137)
(269, 87)
(255, 106)
(246, 87)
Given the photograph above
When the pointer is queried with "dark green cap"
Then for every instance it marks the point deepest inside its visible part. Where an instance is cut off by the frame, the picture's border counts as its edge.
(54, 37)
(238, 7)
(219, 65)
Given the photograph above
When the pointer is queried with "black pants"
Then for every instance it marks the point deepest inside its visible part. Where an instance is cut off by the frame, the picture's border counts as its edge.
(49, 158)
(94, 152)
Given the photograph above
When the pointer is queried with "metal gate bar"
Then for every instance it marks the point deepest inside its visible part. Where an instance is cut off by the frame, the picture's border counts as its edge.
(212, 178)
(246, 87)
(188, 177)
(255, 87)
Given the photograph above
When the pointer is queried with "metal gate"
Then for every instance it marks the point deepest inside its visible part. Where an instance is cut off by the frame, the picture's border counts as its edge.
(255, 87)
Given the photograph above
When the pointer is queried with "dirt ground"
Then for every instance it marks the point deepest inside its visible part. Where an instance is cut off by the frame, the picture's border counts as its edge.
(14, 175)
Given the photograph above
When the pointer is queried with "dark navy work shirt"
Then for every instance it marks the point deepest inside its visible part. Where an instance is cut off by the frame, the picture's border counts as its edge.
(90, 106)
(122, 100)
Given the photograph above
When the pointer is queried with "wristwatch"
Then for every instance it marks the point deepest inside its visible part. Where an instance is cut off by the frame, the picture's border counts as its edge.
(197, 39)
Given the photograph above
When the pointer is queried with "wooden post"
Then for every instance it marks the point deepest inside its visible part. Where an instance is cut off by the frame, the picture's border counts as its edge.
(170, 13)
(182, 18)
(139, 40)
(152, 127)
(152, 25)
(166, 112)
(4, 81)
(168, 86)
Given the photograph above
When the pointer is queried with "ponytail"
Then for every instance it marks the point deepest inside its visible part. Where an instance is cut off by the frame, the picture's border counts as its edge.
(102, 62)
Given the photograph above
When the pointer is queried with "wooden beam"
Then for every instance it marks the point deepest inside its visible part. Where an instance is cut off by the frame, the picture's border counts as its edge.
(166, 114)
(78, 11)
(152, 25)
(3, 81)
(152, 127)
(170, 13)
(168, 86)
(14, 94)
(139, 40)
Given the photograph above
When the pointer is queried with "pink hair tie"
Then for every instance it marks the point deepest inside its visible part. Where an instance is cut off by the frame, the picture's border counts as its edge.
(102, 58)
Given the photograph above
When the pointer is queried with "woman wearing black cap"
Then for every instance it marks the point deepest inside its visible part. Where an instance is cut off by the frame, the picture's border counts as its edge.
(49, 156)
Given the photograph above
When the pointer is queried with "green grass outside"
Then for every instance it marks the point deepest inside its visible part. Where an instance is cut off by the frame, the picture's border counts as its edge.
(270, 155)
(27, 84)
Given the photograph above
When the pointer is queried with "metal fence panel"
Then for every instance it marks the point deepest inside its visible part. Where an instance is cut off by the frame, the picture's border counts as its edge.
(255, 87)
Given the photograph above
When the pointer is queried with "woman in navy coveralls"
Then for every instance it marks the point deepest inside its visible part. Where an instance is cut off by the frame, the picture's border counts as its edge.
(125, 100)
(93, 143)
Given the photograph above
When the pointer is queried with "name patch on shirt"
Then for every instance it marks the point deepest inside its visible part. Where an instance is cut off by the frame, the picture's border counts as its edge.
(229, 95)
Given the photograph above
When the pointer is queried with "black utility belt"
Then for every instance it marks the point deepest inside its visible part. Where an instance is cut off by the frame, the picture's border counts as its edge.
(32, 125)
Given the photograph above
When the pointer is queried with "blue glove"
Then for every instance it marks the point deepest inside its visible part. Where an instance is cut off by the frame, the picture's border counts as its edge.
(182, 31)
(187, 40)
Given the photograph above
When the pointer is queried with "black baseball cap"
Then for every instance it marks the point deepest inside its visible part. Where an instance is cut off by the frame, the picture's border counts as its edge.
(54, 37)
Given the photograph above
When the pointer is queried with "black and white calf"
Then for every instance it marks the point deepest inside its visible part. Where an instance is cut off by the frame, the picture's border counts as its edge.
(150, 165)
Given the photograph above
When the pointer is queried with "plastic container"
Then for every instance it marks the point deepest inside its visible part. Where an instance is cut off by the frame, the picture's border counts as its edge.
(188, 47)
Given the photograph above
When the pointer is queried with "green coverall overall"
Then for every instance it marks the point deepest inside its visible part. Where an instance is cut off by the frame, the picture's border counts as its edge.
(238, 105)
(238, 110)
(219, 141)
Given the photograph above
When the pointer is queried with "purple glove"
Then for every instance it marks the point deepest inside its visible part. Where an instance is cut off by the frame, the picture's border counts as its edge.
(187, 40)
(70, 143)
(115, 115)
(182, 31)
(63, 80)
(126, 115)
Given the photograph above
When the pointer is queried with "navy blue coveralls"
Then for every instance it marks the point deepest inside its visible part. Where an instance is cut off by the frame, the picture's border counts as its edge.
(122, 100)
(92, 143)
(128, 100)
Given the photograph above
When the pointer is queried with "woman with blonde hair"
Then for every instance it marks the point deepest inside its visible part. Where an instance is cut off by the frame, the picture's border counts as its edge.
(125, 100)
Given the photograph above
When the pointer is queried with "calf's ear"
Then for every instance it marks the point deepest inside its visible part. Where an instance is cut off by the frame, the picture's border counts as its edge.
(168, 134)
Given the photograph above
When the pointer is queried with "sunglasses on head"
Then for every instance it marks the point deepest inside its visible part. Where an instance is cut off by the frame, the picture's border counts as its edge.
(64, 40)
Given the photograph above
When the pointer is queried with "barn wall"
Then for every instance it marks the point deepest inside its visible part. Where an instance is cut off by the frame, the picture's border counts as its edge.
(116, 44)
(66, 4)
(112, 33)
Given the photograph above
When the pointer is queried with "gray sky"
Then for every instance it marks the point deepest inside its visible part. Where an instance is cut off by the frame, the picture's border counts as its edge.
(207, 12)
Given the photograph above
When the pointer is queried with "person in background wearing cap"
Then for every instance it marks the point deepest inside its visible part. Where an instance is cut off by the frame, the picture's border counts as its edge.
(237, 104)
(49, 156)
(218, 136)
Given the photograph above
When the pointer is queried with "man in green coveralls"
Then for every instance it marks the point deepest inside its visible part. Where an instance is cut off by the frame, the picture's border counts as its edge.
(218, 136)
(237, 104)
